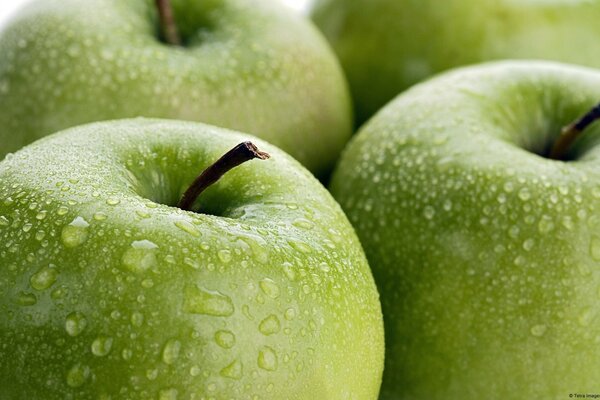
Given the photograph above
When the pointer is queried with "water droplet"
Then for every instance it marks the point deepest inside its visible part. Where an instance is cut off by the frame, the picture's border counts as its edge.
(303, 223)
(140, 256)
(545, 225)
(195, 370)
(126, 354)
(584, 269)
(152, 374)
(586, 317)
(76, 233)
(100, 216)
(428, 212)
(203, 301)
(225, 339)
(44, 278)
(62, 210)
(101, 346)
(300, 246)
(171, 351)
(524, 194)
(290, 314)
(595, 248)
(269, 325)
(289, 271)
(538, 330)
(41, 215)
(78, 375)
(224, 256)
(3, 221)
(137, 319)
(267, 359)
(233, 370)
(188, 227)
(168, 394)
(75, 323)
(269, 288)
(26, 299)
(112, 201)
(528, 244)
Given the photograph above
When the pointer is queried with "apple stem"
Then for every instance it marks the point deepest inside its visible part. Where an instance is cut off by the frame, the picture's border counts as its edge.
(572, 131)
(167, 22)
(241, 153)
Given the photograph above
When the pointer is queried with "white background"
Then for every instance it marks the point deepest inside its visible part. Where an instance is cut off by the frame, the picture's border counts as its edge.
(7, 7)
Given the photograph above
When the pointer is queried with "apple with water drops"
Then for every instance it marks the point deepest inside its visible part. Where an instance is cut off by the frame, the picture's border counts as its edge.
(386, 46)
(481, 223)
(250, 65)
(123, 276)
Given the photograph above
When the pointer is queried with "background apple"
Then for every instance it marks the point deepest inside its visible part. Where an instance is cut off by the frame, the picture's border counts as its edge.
(486, 253)
(252, 65)
(108, 291)
(385, 46)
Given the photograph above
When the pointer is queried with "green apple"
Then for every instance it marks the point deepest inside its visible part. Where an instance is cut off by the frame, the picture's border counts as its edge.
(249, 65)
(385, 46)
(485, 251)
(109, 291)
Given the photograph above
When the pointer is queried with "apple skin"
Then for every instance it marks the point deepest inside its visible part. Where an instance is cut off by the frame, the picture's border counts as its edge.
(248, 65)
(266, 293)
(386, 46)
(486, 255)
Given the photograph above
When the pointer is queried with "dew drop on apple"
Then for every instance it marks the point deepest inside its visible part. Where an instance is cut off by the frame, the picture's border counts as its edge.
(225, 339)
(209, 302)
(101, 346)
(112, 201)
(270, 325)
(152, 374)
(187, 227)
(288, 270)
(233, 371)
(4, 221)
(76, 233)
(429, 212)
(538, 330)
(170, 352)
(140, 256)
(168, 394)
(26, 299)
(137, 319)
(75, 323)
(595, 248)
(528, 244)
(303, 223)
(267, 359)
(43, 278)
(300, 246)
(78, 375)
(545, 225)
(224, 256)
(269, 288)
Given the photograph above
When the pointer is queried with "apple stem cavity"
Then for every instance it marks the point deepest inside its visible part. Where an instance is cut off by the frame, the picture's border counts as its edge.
(241, 153)
(571, 132)
(169, 29)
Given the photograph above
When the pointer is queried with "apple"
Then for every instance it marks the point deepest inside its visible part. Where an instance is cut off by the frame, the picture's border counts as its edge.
(249, 65)
(110, 291)
(486, 252)
(386, 46)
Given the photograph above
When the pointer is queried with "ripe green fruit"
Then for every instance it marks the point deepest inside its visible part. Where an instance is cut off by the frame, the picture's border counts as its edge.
(386, 46)
(486, 253)
(249, 65)
(107, 290)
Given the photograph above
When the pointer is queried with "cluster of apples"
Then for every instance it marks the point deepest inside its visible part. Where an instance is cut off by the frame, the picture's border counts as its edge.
(475, 196)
